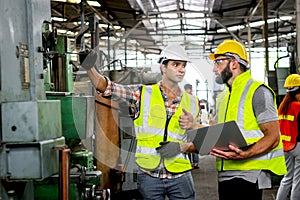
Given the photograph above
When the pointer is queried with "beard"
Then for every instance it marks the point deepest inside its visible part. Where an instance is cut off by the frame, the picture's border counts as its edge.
(225, 75)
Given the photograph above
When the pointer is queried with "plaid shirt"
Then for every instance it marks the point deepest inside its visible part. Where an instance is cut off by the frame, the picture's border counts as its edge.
(132, 94)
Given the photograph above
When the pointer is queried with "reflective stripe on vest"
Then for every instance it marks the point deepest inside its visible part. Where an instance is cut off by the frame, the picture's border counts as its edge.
(286, 138)
(287, 117)
(150, 126)
(288, 123)
(240, 105)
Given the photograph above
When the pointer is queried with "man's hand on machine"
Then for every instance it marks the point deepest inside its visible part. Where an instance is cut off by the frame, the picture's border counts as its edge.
(88, 59)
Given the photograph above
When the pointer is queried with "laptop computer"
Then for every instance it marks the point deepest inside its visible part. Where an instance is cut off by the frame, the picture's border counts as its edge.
(218, 136)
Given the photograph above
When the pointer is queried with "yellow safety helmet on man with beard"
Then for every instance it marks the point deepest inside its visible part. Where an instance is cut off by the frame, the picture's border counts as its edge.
(232, 48)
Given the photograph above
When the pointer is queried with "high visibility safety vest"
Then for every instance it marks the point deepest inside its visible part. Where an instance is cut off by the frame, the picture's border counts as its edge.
(152, 126)
(237, 105)
(289, 126)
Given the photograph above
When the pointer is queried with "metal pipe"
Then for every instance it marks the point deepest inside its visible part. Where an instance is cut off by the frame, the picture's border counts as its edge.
(230, 32)
(82, 47)
(126, 34)
(265, 34)
(125, 51)
(64, 172)
(108, 45)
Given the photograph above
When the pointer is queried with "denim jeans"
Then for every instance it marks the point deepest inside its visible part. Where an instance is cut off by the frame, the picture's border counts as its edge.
(290, 184)
(152, 188)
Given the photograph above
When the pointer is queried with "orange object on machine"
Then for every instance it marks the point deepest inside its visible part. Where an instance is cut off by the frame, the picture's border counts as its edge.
(107, 138)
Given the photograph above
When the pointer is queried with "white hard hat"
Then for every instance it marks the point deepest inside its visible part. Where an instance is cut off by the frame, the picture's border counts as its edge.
(174, 52)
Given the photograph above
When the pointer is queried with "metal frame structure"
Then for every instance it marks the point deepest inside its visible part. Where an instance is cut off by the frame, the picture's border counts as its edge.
(199, 25)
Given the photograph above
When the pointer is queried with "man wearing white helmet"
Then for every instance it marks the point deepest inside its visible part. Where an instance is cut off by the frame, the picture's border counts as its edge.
(159, 118)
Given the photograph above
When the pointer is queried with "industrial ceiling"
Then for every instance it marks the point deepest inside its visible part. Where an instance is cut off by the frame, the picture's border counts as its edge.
(200, 25)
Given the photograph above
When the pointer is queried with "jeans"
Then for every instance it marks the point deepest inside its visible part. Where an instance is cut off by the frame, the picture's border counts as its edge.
(290, 184)
(152, 188)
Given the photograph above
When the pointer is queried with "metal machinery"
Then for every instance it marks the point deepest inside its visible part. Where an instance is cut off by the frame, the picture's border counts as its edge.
(58, 139)
(276, 78)
(30, 124)
(38, 127)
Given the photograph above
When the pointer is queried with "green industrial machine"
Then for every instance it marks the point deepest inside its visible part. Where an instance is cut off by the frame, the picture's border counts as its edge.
(77, 114)
(45, 127)
(30, 124)
(48, 128)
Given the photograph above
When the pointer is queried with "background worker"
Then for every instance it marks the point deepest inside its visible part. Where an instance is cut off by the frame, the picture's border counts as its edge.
(159, 118)
(243, 173)
(289, 120)
(194, 157)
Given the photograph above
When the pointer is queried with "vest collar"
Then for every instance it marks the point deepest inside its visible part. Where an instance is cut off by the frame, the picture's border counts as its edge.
(240, 79)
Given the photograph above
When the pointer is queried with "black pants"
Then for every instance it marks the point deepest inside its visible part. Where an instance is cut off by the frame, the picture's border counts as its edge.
(239, 189)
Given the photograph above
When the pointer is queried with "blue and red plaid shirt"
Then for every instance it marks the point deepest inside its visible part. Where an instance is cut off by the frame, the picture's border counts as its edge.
(132, 95)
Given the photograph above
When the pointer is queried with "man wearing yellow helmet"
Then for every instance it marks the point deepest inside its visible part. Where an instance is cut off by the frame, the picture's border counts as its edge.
(289, 120)
(242, 174)
(229, 50)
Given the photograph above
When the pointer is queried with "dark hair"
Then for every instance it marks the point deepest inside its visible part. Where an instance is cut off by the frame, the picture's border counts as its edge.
(286, 102)
(188, 86)
(163, 61)
(243, 67)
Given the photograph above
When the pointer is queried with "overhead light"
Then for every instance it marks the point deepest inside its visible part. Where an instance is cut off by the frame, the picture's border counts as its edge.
(74, 1)
(102, 25)
(286, 18)
(117, 27)
(255, 24)
(91, 3)
(110, 38)
(87, 35)
(94, 3)
(59, 19)
(60, 0)
(275, 38)
(64, 32)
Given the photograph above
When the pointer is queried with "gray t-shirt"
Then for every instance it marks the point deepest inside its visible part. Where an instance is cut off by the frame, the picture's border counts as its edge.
(265, 111)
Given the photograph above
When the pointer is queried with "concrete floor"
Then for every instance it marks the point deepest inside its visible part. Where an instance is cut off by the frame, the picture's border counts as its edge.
(205, 179)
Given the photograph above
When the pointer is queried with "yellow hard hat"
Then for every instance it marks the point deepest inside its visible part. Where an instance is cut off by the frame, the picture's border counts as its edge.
(292, 82)
(231, 48)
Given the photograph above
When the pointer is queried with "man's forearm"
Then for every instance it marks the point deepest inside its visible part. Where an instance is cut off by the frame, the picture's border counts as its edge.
(98, 81)
(268, 142)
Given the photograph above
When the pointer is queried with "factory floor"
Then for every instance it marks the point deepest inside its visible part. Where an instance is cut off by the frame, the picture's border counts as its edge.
(205, 178)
